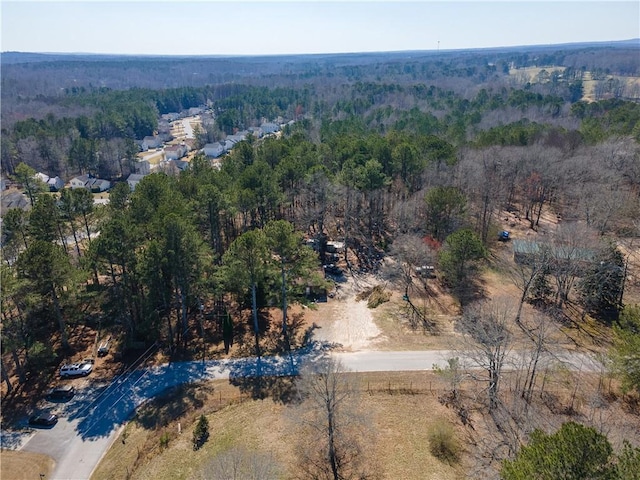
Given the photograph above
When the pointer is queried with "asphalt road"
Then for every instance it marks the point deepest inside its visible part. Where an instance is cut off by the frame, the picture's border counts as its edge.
(92, 420)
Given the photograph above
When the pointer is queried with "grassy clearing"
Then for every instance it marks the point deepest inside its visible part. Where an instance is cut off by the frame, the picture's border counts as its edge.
(401, 408)
(15, 465)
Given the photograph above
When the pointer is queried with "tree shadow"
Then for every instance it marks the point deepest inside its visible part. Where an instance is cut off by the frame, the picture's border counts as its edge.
(169, 405)
(469, 290)
(275, 376)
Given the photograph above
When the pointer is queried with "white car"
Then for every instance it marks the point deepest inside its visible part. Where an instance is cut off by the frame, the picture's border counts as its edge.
(76, 369)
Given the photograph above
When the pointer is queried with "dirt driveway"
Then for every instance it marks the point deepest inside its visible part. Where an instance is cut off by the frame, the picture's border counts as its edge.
(344, 321)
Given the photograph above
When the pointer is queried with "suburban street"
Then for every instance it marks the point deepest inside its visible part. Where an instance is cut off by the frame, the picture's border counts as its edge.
(92, 420)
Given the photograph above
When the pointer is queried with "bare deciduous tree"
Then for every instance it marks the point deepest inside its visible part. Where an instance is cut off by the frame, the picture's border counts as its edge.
(330, 445)
(485, 326)
(239, 463)
(524, 274)
(572, 250)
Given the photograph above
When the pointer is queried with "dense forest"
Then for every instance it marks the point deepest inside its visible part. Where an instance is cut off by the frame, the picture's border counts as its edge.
(382, 149)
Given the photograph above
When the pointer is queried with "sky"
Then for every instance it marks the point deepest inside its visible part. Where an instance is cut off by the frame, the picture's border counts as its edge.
(267, 27)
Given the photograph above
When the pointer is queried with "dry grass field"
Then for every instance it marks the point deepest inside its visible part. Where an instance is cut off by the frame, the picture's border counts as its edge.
(400, 411)
(400, 408)
(16, 465)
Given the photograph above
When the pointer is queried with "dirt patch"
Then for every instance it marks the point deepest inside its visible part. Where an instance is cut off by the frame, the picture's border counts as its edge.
(346, 323)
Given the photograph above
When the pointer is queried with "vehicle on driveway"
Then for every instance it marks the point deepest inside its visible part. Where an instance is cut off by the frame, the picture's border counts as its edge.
(333, 269)
(61, 392)
(43, 420)
(76, 370)
(103, 349)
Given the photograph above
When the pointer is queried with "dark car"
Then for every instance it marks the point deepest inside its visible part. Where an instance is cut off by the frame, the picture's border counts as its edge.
(62, 392)
(43, 420)
(332, 269)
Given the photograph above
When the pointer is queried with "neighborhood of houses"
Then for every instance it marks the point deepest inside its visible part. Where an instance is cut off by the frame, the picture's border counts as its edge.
(169, 150)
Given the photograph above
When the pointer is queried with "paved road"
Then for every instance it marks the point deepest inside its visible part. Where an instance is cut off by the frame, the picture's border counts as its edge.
(91, 421)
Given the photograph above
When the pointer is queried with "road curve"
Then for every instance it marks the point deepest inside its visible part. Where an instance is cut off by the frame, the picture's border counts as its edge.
(92, 420)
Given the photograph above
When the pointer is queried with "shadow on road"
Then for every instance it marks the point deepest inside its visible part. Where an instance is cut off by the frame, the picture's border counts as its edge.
(274, 376)
(102, 410)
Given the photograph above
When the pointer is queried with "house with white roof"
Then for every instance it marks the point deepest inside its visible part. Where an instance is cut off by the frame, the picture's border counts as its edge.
(90, 183)
(80, 181)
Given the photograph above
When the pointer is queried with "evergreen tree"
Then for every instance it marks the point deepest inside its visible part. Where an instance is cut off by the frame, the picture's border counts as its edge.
(574, 452)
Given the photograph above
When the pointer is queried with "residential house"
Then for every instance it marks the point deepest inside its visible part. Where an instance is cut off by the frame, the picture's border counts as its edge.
(171, 116)
(79, 182)
(269, 127)
(256, 132)
(99, 185)
(92, 184)
(213, 150)
(134, 179)
(143, 167)
(164, 132)
(55, 184)
(174, 167)
(14, 200)
(151, 142)
(175, 152)
(43, 177)
(526, 252)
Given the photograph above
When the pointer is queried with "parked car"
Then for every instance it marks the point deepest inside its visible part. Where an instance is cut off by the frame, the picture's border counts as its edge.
(61, 392)
(43, 420)
(103, 349)
(76, 369)
(333, 269)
